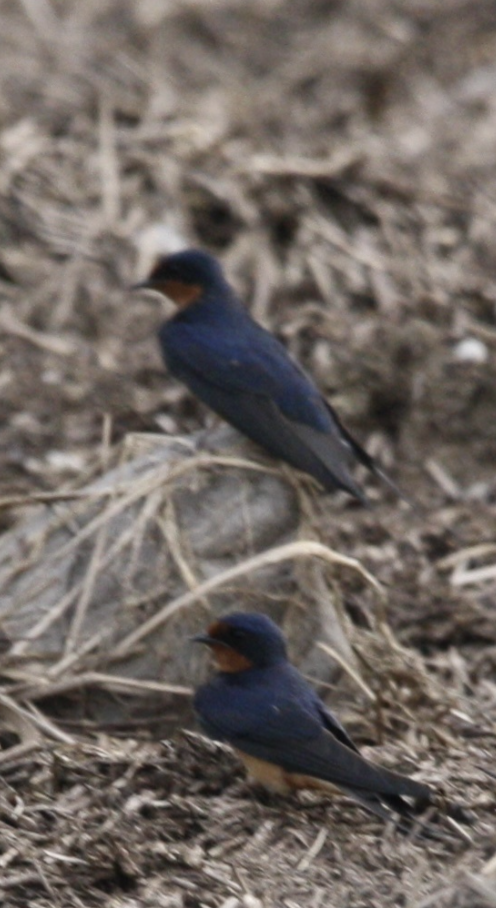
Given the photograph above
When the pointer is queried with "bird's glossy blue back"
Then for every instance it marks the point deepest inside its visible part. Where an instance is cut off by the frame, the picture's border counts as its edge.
(274, 701)
(218, 340)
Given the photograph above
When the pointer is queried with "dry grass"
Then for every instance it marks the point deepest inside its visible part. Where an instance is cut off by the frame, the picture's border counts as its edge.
(340, 158)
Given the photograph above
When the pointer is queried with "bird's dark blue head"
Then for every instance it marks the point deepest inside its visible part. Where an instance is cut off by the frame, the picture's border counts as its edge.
(241, 641)
(185, 276)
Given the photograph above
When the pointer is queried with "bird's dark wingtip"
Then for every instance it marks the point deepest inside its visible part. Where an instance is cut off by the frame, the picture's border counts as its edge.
(383, 476)
(440, 822)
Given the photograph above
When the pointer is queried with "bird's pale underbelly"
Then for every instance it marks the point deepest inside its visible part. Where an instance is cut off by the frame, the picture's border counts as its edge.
(279, 780)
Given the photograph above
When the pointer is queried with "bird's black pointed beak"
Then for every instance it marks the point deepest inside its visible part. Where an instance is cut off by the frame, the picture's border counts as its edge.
(201, 638)
(210, 641)
(141, 285)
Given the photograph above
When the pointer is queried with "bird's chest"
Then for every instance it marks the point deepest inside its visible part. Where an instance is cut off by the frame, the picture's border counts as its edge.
(235, 710)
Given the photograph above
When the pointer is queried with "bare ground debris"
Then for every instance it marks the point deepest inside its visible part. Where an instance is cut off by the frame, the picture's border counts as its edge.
(339, 156)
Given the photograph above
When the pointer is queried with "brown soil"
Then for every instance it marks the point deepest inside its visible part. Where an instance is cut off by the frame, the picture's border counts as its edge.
(339, 158)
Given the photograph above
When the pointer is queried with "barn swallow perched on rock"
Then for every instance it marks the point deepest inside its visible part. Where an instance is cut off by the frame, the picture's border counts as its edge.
(245, 374)
(285, 735)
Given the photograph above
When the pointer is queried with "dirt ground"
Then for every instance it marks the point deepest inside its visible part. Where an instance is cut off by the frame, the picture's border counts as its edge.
(339, 157)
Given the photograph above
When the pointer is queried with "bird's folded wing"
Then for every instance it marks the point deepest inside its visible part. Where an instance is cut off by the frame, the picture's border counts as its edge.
(258, 365)
(286, 728)
(290, 420)
(326, 758)
(333, 725)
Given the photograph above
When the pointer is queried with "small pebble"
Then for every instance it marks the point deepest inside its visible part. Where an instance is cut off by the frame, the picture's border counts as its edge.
(471, 350)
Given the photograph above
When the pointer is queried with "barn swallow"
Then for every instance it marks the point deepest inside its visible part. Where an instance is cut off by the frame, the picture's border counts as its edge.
(284, 734)
(245, 374)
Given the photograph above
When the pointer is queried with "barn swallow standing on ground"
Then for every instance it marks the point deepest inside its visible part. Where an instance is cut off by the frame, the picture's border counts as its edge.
(245, 375)
(287, 739)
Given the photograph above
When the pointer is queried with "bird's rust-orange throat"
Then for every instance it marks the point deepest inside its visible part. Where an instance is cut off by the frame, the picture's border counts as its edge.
(226, 658)
(183, 295)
